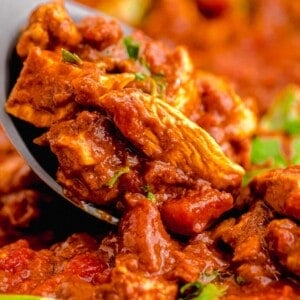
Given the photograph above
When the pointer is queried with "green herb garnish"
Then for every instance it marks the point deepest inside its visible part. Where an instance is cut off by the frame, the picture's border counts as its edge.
(212, 292)
(116, 176)
(140, 76)
(267, 151)
(279, 126)
(295, 148)
(132, 47)
(69, 57)
(149, 194)
(284, 115)
(240, 280)
(266, 154)
(198, 291)
(190, 290)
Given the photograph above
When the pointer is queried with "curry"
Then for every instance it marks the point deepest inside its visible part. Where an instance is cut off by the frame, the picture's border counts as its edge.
(140, 130)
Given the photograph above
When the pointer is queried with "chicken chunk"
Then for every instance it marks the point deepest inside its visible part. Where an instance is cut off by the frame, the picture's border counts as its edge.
(46, 88)
(93, 158)
(194, 212)
(144, 237)
(43, 93)
(163, 133)
(100, 32)
(225, 116)
(49, 25)
(280, 189)
(246, 237)
(283, 237)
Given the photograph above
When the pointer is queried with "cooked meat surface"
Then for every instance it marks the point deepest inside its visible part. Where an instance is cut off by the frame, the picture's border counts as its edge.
(139, 131)
(281, 190)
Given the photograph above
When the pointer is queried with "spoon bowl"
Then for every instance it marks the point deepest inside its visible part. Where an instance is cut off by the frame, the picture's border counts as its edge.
(13, 17)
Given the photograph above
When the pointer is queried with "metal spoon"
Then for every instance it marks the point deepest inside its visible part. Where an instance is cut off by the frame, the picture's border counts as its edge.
(13, 16)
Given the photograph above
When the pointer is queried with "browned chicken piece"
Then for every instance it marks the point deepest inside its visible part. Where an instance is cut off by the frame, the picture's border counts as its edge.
(199, 257)
(15, 174)
(100, 33)
(283, 237)
(144, 238)
(97, 164)
(43, 93)
(246, 237)
(159, 70)
(93, 158)
(194, 211)
(172, 74)
(163, 133)
(49, 26)
(144, 248)
(47, 86)
(21, 207)
(280, 189)
(224, 115)
(128, 283)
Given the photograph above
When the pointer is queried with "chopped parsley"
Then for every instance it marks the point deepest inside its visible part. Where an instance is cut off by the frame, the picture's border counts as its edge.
(266, 154)
(203, 288)
(295, 149)
(284, 115)
(279, 129)
(240, 280)
(198, 291)
(140, 76)
(116, 176)
(69, 57)
(132, 47)
(267, 151)
(149, 194)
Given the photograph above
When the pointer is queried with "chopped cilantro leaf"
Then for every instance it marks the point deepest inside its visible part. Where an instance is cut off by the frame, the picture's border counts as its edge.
(251, 174)
(190, 290)
(116, 176)
(240, 280)
(69, 57)
(266, 154)
(140, 76)
(295, 146)
(212, 292)
(285, 113)
(267, 151)
(149, 194)
(198, 291)
(132, 47)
